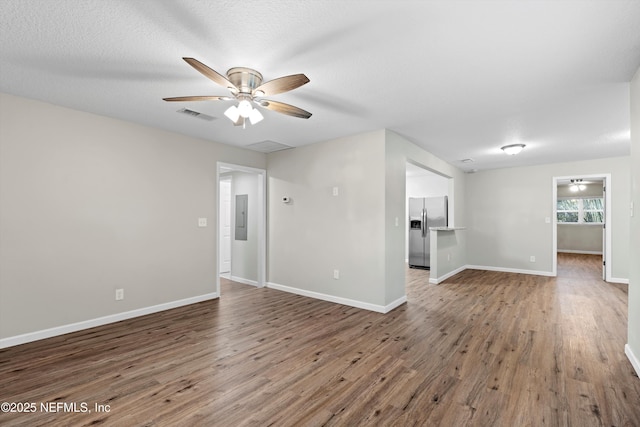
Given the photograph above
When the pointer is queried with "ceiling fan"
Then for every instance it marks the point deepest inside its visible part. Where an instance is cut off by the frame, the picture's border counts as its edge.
(245, 85)
(579, 184)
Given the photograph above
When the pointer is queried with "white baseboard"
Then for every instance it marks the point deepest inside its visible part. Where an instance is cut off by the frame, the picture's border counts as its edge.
(635, 362)
(618, 280)
(570, 251)
(510, 270)
(395, 304)
(441, 279)
(243, 280)
(339, 300)
(92, 323)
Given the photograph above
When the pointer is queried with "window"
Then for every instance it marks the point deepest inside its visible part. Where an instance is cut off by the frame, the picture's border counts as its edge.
(581, 211)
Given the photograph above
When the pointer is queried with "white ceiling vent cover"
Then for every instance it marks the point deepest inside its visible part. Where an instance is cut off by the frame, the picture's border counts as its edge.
(267, 146)
(196, 114)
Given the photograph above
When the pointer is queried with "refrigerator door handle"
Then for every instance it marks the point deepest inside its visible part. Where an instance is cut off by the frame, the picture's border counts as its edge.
(424, 223)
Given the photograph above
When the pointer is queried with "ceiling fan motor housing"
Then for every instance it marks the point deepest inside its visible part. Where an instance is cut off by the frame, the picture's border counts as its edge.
(245, 79)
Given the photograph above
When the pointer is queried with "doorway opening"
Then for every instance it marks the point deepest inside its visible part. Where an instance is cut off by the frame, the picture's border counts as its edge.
(241, 225)
(581, 218)
(579, 266)
(433, 192)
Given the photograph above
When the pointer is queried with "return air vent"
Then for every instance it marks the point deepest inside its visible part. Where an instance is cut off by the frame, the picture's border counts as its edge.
(267, 146)
(196, 114)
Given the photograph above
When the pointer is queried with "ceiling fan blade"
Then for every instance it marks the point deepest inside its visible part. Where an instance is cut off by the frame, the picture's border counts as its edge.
(211, 74)
(283, 108)
(198, 98)
(280, 85)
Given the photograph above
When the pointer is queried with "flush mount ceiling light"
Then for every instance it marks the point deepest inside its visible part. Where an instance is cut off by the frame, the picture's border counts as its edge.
(577, 185)
(246, 87)
(512, 149)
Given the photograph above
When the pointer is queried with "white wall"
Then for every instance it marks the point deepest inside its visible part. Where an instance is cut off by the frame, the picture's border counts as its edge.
(431, 185)
(318, 232)
(449, 255)
(507, 210)
(244, 253)
(89, 204)
(633, 347)
(580, 238)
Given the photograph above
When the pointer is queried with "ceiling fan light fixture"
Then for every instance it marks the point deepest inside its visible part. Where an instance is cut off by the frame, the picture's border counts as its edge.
(577, 185)
(245, 108)
(255, 116)
(232, 113)
(512, 149)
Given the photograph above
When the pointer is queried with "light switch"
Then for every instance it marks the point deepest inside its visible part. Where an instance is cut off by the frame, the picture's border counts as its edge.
(547, 220)
(202, 222)
(335, 191)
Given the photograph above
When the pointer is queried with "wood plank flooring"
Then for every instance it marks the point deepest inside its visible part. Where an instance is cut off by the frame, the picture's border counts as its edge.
(481, 349)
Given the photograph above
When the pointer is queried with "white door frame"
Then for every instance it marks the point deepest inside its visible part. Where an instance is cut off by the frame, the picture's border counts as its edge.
(224, 212)
(262, 219)
(607, 219)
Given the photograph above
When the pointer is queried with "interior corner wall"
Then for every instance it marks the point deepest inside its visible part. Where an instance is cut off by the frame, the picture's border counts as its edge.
(244, 253)
(319, 232)
(89, 204)
(395, 214)
(507, 210)
(634, 247)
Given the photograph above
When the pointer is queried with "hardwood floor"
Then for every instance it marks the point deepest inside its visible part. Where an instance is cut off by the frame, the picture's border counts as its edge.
(481, 349)
(579, 266)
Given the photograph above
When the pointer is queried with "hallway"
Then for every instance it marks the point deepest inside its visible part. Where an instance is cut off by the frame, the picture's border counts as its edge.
(579, 266)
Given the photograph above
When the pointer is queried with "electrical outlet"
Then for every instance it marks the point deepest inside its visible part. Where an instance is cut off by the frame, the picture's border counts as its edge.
(532, 258)
(119, 294)
(336, 274)
(202, 222)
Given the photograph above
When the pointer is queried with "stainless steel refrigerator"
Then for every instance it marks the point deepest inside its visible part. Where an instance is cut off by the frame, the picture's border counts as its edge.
(424, 212)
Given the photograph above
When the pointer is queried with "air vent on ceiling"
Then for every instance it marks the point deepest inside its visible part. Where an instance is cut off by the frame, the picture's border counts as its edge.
(268, 146)
(196, 114)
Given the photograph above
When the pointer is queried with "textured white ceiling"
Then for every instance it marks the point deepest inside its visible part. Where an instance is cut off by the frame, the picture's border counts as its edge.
(460, 79)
